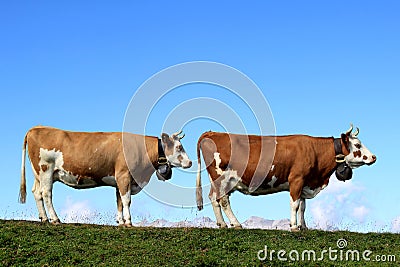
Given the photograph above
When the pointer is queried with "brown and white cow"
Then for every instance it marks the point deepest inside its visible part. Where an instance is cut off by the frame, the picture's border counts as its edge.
(260, 165)
(86, 160)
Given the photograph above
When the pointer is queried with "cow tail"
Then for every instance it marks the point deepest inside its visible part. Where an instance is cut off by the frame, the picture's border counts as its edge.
(22, 187)
(199, 190)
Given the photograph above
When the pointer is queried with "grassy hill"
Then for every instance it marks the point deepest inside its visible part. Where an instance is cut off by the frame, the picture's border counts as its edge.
(33, 244)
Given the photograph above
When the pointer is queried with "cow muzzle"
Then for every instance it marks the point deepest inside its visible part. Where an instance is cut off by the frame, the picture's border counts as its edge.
(373, 160)
(187, 164)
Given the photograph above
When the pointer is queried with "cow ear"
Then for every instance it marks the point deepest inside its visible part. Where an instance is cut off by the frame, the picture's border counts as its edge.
(164, 138)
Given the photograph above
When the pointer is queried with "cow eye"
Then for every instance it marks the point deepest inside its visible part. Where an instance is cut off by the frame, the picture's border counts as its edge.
(179, 148)
(358, 146)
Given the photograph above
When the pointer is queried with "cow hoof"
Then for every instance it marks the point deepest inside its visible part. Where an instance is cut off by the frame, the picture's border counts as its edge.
(44, 221)
(56, 222)
(303, 228)
(128, 225)
(222, 225)
(237, 226)
(295, 229)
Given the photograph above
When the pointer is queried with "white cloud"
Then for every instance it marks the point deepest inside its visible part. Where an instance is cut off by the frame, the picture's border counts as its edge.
(323, 215)
(360, 212)
(396, 224)
(339, 205)
(78, 212)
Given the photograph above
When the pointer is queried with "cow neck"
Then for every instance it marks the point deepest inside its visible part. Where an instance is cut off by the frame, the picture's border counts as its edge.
(343, 171)
(162, 159)
(339, 155)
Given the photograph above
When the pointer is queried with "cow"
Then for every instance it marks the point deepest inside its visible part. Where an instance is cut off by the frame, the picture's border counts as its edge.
(260, 165)
(91, 159)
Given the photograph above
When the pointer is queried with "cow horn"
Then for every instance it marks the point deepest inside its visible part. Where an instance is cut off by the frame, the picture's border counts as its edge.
(349, 130)
(357, 132)
(178, 133)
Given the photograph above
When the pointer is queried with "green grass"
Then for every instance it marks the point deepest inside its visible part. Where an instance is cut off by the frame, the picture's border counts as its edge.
(34, 244)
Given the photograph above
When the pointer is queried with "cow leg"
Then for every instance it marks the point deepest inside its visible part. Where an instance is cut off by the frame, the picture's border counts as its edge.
(39, 199)
(300, 214)
(124, 188)
(226, 206)
(126, 203)
(296, 188)
(120, 218)
(217, 210)
(294, 207)
(46, 188)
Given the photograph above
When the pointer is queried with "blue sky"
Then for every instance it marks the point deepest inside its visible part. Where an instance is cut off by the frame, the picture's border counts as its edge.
(319, 64)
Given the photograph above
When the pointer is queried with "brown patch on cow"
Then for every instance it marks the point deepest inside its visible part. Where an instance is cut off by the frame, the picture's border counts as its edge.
(365, 157)
(357, 153)
(44, 167)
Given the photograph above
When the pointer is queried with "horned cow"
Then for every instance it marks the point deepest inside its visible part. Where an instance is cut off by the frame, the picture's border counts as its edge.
(260, 165)
(91, 159)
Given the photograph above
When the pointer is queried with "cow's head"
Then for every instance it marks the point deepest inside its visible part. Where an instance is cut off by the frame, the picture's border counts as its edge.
(174, 151)
(358, 153)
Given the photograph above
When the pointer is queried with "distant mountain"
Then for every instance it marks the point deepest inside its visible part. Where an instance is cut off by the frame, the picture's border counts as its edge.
(206, 222)
(283, 224)
(255, 222)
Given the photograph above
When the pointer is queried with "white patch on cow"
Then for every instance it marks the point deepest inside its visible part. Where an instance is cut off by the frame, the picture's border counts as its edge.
(272, 168)
(229, 177)
(126, 202)
(51, 156)
(50, 161)
(309, 193)
(294, 207)
(217, 162)
(359, 153)
(179, 158)
(273, 180)
(120, 218)
(230, 181)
